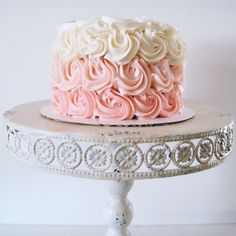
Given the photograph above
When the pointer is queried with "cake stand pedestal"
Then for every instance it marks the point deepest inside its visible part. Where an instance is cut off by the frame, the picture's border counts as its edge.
(119, 154)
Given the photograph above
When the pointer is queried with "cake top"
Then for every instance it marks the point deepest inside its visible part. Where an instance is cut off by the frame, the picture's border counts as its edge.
(120, 40)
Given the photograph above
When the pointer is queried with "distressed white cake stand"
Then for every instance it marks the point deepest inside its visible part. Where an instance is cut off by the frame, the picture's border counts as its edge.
(119, 154)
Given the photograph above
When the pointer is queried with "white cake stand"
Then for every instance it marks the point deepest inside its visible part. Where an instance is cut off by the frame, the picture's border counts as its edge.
(119, 154)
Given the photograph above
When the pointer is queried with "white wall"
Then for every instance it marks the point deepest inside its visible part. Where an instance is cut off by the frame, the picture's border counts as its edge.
(27, 30)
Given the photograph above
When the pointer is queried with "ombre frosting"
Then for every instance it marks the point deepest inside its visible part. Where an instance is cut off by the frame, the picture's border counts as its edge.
(113, 69)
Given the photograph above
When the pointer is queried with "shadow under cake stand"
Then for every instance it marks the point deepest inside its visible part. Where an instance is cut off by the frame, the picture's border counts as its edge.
(119, 154)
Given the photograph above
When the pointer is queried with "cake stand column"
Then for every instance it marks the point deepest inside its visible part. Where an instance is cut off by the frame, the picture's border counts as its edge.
(119, 210)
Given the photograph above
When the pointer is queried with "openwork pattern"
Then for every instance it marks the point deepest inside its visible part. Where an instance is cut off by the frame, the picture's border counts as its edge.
(44, 150)
(183, 154)
(204, 150)
(128, 158)
(158, 157)
(98, 157)
(69, 156)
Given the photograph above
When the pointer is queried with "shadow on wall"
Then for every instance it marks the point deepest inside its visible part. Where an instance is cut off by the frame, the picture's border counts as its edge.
(211, 74)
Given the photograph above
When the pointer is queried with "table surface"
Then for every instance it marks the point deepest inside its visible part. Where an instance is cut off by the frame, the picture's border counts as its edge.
(168, 230)
(207, 119)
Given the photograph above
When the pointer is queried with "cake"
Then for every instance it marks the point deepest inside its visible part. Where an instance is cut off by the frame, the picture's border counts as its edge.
(117, 69)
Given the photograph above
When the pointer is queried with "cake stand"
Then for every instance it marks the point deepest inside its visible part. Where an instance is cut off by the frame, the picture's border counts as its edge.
(119, 154)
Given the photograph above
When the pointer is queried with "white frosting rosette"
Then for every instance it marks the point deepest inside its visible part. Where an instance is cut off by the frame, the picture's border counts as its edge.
(120, 40)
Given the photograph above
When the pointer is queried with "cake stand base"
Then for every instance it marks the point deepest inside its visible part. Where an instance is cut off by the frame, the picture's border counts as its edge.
(119, 210)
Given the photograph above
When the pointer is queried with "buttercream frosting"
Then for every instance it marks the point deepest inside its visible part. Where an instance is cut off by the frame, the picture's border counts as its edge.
(120, 40)
(172, 102)
(117, 69)
(162, 76)
(134, 78)
(111, 105)
(59, 101)
(147, 106)
(99, 74)
(67, 75)
(81, 104)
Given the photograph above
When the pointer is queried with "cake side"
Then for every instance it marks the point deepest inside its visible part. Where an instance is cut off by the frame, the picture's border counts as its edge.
(111, 69)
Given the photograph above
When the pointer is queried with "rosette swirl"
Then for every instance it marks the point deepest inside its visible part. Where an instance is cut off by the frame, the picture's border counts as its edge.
(177, 50)
(153, 47)
(117, 69)
(66, 75)
(134, 78)
(67, 43)
(162, 76)
(172, 102)
(92, 38)
(59, 101)
(147, 106)
(82, 104)
(113, 106)
(99, 74)
(120, 40)
(122, 46)
(178, 71)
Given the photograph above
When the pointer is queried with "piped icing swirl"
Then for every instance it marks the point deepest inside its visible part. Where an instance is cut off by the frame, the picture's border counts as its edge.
(162, 76)
(67, 75)
(134, 78)
(172, 102)
(59, 101)
(88, 88)
(81, 104)
(147, 106)
(111, 105)
(114, 69)
(99, 74)
(120, 40)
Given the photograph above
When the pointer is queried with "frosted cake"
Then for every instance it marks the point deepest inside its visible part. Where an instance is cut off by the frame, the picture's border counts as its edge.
(117, 69)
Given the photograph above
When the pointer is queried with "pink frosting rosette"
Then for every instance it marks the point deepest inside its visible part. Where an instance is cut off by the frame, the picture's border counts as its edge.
(162, 76)
(81, 103)
(134, 78)
(178, 72)
(59, 101)
(99, 74)
(66, 75)
(111, 105)
(172, 102)
(147, 106)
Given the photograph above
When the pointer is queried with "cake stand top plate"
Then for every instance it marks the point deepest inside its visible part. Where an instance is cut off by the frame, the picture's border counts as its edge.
(207, 120)
(108, 152)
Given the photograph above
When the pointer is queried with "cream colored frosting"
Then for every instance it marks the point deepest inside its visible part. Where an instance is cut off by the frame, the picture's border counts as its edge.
(120, 40)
